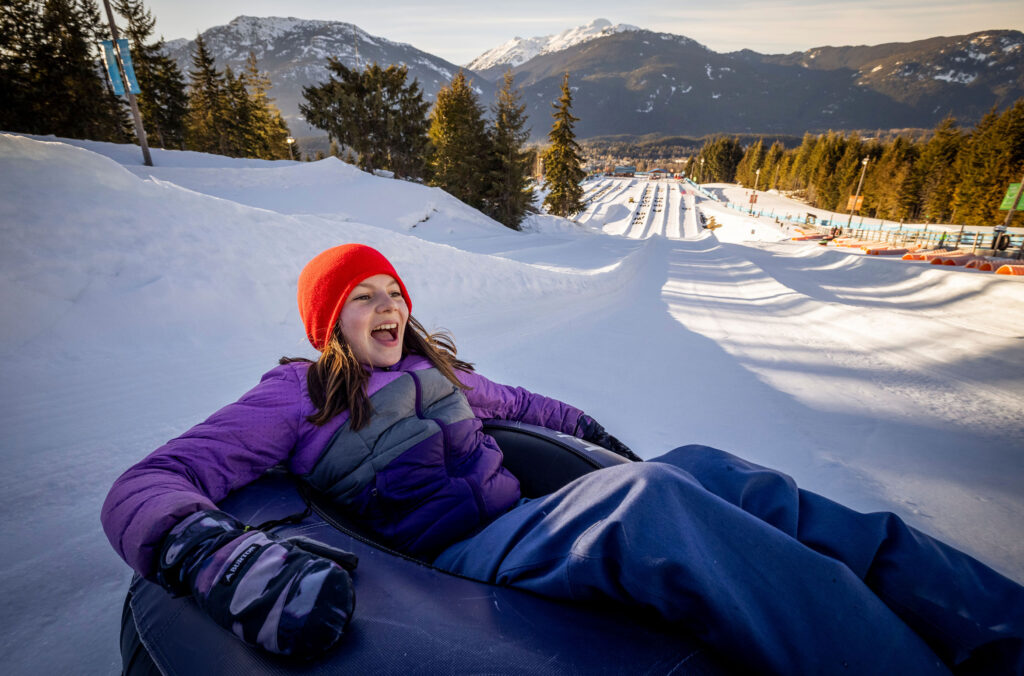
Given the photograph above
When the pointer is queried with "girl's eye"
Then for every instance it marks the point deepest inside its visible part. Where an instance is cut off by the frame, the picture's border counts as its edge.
(396, 294)
(361, 297)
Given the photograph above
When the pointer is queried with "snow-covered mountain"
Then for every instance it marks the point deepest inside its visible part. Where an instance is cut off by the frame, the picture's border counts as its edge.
(517, 51)
(295, 51)
(627, 80)
(642, 82)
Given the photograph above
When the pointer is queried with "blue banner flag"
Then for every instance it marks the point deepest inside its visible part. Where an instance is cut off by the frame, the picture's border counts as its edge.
(129, 71)
(110, 60)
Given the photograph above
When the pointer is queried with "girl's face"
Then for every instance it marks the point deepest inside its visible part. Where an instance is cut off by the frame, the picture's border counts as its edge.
(373, 321)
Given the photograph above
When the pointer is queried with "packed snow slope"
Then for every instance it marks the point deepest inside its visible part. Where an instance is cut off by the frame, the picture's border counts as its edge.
(138, 300)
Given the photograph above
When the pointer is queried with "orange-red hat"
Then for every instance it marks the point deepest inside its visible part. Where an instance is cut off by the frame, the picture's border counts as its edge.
(327, 280)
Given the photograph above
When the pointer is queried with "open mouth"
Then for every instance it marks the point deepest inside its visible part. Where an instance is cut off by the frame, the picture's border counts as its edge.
(385, 333)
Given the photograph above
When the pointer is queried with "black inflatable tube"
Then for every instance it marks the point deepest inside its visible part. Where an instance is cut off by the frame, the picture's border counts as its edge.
(415, 619)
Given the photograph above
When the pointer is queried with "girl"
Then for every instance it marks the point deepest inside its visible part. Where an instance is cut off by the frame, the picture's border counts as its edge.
(387, 423)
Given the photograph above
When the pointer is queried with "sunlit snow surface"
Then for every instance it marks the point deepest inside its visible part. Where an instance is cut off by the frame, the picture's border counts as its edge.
(137, 300)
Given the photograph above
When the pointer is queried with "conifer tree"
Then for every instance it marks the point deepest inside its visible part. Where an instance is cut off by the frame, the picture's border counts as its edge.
(771, 168)
(406, 110)
(460, 152)
(801, 169)
(992, 159)
(1011, 161)
(752, 160)
(510, 196)
(53, 69)
(936, 172)
(846, 175)
(821, 185)
(690, 167)
(721, 156)
(887, 184)
(375, 114)
(267, 135)
(206, 126)
(563, 170)
(873, 150)
(460, 148)
(19, 35)
(163, 102)
(238, 121)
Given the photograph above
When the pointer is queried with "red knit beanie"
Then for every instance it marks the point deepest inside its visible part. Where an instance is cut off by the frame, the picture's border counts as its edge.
(327, 280)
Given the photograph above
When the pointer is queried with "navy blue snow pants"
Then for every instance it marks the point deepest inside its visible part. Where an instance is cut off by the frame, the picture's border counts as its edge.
(777, 578)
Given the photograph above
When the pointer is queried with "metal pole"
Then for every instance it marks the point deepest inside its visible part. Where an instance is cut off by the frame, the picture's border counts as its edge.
(757, 177)
(864, 168)
(140, 133)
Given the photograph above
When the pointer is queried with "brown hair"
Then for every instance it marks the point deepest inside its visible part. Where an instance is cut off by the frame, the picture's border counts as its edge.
(337, 381)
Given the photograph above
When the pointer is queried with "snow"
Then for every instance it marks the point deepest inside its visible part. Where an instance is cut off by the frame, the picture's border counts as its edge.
(137, 300)
(958, 77)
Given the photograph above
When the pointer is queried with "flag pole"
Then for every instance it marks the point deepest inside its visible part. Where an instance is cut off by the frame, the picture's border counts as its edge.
(140, 132)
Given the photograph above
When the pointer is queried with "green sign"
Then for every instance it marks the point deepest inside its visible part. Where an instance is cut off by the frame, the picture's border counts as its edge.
(1010, 197)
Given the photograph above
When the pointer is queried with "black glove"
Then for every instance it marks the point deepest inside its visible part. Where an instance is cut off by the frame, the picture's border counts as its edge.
(281, 595)
(590, 430)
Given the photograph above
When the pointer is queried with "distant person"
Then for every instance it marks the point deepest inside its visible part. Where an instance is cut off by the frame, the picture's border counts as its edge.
(388, 420)
(1000, 238)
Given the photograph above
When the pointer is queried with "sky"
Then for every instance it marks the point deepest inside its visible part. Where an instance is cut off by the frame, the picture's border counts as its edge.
(135, 301)
(461, 30)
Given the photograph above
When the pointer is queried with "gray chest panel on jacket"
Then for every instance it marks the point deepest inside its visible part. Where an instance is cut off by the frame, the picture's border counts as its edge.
(352, 458)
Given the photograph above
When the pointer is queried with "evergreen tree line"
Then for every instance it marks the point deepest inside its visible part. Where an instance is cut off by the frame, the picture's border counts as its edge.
(381, 121)
(954, 175)
(53, 81)
(231, 114)
(663, 151)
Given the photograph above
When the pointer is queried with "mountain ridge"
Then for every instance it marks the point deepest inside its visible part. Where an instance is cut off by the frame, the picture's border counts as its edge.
(294, 52)
(629, 80)
(646, 82)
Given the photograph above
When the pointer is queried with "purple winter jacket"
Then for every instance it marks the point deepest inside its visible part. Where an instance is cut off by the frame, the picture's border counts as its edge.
(421, 474)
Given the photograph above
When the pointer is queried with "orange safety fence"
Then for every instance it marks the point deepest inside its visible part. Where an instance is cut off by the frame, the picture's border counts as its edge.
(853, 243)
(985, 264)
(930, 254)
(1011, 270)
(885, 252)
(960, 259)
